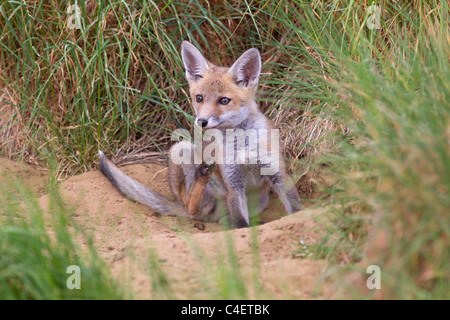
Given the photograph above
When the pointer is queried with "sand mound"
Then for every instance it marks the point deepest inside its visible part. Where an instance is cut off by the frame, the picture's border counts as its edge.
(130, 238)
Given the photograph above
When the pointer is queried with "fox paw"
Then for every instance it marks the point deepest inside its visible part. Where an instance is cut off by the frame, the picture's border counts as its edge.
(205, 170)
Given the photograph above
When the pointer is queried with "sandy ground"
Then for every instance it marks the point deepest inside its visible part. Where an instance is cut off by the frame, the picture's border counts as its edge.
(195, 260)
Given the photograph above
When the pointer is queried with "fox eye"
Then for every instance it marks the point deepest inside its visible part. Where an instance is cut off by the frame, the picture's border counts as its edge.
(224, 101)
(199, 98)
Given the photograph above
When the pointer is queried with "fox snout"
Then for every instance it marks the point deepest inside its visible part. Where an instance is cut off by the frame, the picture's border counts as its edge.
(202, 122)
(208, 122)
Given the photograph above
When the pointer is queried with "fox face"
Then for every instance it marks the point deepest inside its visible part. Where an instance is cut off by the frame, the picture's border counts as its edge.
(222, 97)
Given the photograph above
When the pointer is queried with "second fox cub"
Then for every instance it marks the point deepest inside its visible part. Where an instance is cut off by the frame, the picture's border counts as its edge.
(223, 99)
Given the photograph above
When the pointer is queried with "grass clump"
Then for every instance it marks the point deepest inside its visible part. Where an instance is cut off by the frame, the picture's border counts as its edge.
(392, 95)
(37, 251)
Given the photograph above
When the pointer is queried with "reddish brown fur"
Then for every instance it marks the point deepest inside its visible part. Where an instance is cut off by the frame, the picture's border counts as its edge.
(217, 83)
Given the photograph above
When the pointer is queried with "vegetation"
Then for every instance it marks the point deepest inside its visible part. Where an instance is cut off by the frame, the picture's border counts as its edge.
(38, 252)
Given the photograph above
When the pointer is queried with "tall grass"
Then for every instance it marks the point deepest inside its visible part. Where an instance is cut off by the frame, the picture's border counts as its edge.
(392, 94)
(118, 84)
(371, 105)
(37, 250)
(402, 159)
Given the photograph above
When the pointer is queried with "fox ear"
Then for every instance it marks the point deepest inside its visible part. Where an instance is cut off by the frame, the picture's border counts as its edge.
(194, 62)
(246, 69)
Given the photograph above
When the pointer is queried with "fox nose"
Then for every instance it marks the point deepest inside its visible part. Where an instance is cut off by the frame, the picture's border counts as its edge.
(202, 122)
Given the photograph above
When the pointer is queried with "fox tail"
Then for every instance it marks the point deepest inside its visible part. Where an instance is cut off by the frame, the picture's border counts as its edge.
(136, 191)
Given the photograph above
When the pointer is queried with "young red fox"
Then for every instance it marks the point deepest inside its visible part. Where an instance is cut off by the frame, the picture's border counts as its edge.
(223, 100)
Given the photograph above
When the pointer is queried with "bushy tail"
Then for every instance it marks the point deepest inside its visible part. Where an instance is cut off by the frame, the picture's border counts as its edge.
(138, 192)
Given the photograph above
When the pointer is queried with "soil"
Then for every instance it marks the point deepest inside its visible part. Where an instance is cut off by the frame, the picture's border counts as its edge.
(194, 257)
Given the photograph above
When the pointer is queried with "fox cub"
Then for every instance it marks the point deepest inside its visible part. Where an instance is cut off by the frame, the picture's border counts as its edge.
(224, 101)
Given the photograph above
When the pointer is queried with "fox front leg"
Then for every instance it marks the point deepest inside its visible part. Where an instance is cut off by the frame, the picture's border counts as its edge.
(236, 199)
